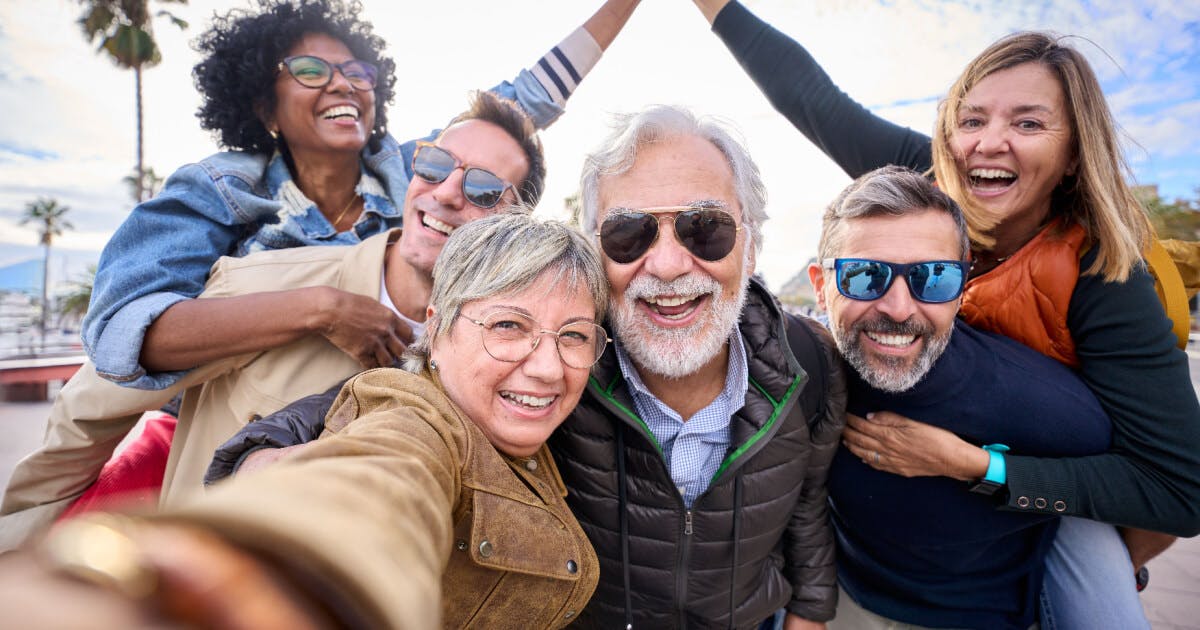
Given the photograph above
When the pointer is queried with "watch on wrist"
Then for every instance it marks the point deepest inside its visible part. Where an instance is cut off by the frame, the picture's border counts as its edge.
(996, 476)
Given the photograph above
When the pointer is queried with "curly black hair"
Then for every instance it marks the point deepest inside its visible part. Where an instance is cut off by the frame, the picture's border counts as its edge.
(244, 48)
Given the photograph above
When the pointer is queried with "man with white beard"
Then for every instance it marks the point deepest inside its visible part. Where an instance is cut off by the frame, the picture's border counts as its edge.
(696, 460)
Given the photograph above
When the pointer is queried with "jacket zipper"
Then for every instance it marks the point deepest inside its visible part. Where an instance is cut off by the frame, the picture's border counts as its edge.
(681, 568)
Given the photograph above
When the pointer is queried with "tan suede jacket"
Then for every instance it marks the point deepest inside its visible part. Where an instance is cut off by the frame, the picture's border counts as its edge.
(410, 517)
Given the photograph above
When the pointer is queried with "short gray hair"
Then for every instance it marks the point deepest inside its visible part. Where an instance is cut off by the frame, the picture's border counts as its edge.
(502, 254)
(658, 122)
(891, 190)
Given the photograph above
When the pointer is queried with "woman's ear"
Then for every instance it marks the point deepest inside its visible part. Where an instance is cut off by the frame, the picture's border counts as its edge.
(267, 119)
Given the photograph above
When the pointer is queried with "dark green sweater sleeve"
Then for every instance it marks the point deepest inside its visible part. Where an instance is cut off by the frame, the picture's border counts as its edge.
(853, 137)
(1150, 477)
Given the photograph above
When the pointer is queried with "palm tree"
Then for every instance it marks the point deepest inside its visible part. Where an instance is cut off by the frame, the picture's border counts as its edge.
(150, 184)
(49, 214)
(75, 302)
(124, 29)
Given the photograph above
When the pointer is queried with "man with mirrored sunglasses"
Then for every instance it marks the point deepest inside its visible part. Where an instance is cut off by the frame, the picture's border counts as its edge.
(221, 396)
(921, 550)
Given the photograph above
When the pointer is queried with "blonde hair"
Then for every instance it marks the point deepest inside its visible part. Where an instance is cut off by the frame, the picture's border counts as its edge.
(1097, 196)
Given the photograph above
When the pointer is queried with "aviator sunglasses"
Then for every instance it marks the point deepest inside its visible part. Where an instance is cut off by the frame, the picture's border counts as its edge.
(932, 282)
(708, 233)
(315, 72)
(481, 187)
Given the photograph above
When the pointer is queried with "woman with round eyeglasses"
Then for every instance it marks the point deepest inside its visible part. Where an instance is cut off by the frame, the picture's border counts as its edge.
(1026, 144)
(431, 500)
(298, 92)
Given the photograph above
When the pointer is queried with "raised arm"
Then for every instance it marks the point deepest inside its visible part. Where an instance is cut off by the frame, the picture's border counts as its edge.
(857, 140)
(542, 90)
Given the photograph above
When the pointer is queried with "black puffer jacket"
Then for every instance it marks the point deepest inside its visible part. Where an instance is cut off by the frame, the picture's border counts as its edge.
(759, 538)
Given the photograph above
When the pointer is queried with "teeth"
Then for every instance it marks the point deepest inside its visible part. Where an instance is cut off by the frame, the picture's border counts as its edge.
(897, 341)
(678, 300)
(991, 173)
(434, 224)
(528, 401)
(340, 110)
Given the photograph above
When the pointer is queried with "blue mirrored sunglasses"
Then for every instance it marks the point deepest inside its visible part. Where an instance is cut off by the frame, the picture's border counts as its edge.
(932, 282)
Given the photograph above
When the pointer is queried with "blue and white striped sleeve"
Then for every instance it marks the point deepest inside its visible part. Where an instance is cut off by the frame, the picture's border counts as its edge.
(562, 69)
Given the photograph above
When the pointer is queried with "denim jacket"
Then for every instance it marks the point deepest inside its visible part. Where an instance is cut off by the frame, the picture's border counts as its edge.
(230, 204)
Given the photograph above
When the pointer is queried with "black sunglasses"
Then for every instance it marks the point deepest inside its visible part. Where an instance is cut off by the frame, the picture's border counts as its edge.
(315, 72)
(708, 233)
(932, 282)
(481, 187)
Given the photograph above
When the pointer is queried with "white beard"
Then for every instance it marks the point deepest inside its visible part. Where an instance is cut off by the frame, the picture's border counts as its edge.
(676, 352)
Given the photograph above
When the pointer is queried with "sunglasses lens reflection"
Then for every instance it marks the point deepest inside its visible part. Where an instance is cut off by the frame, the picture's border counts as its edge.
(482, 188)
(864, 279)
(625, 237)
(709, 234)
(935, 282)
(433, 164)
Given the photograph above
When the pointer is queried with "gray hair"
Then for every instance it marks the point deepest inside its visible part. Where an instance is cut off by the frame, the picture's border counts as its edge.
(659, 122)
(891, 190)
(503, 254)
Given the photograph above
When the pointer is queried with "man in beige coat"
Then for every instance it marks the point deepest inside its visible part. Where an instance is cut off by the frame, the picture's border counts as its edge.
(92, 415)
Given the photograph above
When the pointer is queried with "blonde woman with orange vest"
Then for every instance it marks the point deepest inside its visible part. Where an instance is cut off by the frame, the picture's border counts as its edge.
(1025, 143)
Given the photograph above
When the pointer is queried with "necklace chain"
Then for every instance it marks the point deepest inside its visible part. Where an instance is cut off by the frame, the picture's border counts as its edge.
(342, 214)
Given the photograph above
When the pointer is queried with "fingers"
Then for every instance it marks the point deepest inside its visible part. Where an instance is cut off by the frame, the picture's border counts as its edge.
(396, 347)
(383, 356)
(869, 456)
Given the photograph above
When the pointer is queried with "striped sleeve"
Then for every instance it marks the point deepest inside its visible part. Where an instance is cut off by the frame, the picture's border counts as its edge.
(562, 69)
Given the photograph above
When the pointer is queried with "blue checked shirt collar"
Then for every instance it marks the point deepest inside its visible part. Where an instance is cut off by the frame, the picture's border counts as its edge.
(692, 450)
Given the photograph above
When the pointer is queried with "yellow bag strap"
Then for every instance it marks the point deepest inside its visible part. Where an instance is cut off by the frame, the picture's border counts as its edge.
(1169, 286)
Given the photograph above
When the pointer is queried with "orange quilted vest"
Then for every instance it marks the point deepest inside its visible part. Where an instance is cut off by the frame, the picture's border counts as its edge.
(1026, 298)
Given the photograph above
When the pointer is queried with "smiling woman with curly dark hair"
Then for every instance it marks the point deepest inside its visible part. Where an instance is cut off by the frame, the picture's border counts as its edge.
(237, 77)
(297, 91)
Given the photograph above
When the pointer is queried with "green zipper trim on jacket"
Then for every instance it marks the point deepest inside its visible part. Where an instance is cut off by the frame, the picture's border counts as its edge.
(766, 427)
(607, 393)
(774, 403)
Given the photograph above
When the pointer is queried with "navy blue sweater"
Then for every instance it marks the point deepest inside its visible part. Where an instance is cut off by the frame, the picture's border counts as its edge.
(1150, 478)
(924, 550)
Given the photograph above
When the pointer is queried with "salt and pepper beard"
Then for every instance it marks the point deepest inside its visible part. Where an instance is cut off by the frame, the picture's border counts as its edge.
(886, 372)
(676, 352)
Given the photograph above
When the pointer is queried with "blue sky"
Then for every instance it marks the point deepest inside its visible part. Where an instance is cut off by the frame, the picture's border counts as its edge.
(68, 127)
